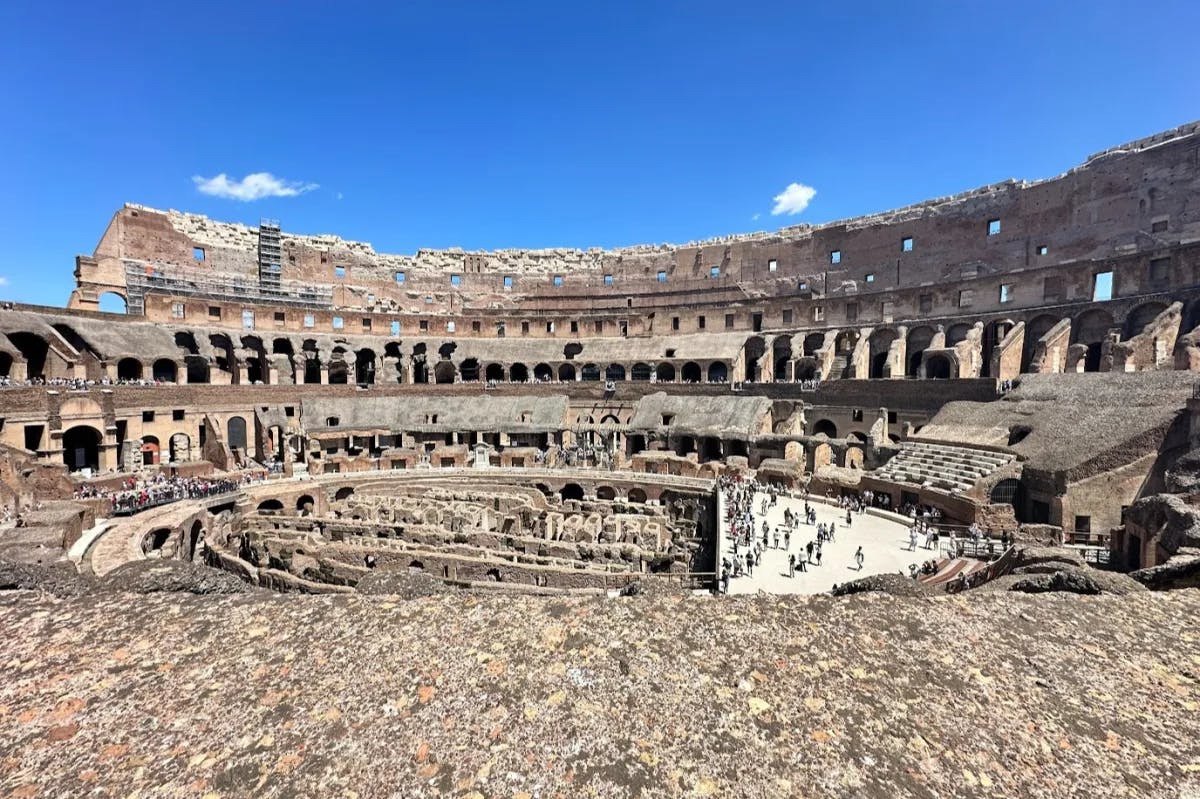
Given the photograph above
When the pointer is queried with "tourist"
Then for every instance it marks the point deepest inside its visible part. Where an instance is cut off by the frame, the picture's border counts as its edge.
(858, 558)
(791, 565)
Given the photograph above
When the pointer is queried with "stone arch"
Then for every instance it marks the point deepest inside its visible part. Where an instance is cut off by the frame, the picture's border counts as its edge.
(846, 341)
(345, 492)
(270, 506)
(664, 373)
(615, 371)
(543, 373)
(305, 504)
(606, 492)
(339, 372)
(156, 540)
(1091, 326)
(163, 370)
(781, 353)
(469, 370)
(364, 367)
(752, 352)
(1137, 319)
(640, 372)
(813, 342)
(822, 456)
(150, 450)
(180, 447)
(590, 371)
(793, 451)
(919, 339)
(494, 373)
(691, 372)
(113, 302)
(1034, 329)
(312, 370)
(824, 427)
(566, 373)
(636, 495)
(236, 432)
(938, 367)
(571, 491)
(853, 459)
(33, 349)
(81, 448)
(1005, 492)
(518, 372)
(718, 372)
(129, 369)
(443, 372)
(957, 333)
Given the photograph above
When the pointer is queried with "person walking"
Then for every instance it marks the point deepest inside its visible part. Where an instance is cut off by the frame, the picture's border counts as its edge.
(859, 558)
(791, 565)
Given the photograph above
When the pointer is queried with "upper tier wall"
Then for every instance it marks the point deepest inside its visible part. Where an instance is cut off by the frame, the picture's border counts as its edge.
(1120, 201)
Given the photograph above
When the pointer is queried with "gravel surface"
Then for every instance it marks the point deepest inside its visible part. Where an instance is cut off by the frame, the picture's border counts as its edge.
(258, 694)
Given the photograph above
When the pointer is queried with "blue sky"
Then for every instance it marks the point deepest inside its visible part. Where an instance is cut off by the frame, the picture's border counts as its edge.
(537, 124)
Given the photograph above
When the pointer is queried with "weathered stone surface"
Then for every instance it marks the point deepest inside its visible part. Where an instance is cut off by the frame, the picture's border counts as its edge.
(984, 695)
(893, 584)
(402, 583)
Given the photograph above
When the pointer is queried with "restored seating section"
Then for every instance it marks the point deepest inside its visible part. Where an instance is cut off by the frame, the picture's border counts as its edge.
(952, 468)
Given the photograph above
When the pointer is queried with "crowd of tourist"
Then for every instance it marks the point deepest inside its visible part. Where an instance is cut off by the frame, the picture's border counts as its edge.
(76, 383)
(136, 495)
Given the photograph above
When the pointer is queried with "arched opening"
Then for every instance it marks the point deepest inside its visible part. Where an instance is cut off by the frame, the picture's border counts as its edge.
(163, 371)
(755, 348)
(566, 373)
(1018, 433)
(150, 450)
(822, 456)
(1034, 330)
(443, 372)
(636, 495)
(33, 349)
(665, 373)
(957, 333)
(112, 302)
(781, 350)
(518, 373)
(606, 492)
(542, 373)
(236, 432)
(571, 491)
(880, 344)
(282, 346)
(256, 371)
(420, 369)
(81, 448)
(416, 566)
(494, 373)
(469, 370)
(156, 540)
(364, 367)
(691, 372)
(129, 369)
(853, 458)
(718, 372)
(180, 447)
(878, 365)
(197, 369)
(1141, 316)
(824, 427)
(813, 342)
(938, 367)
(615, 371)
(345, 492)
(590, 371)
(1005, 492)
(494, 576)
(806, 370)
(305, 505)
(846, 341)
(270, 506)
(919, 339)
(339, 372)
(710, 449)
(312, 370)
(194, 539)
(6, 362)
(640, 372)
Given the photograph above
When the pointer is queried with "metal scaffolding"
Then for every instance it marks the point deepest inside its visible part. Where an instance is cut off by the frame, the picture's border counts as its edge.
(143, 277)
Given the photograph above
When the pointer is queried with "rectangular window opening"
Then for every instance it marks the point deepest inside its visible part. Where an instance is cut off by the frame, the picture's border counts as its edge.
(993, 227)
(1102, 287)
(906, 244)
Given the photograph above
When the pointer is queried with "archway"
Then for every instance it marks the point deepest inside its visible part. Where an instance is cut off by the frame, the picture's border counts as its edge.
(236, 432)
(822, 456)
(81, 448)
(782, 353)
(813, 342)
(566, 373)
(665, 373)
(1034, 330)
(718, 372)
(824, 427)
(640, 372)
(1141, 316)
(590, 371)
(755, 348)
(572, 491)
(129, 369)
(150, 451)
(339, 372)
(853, 458)
(494, 373)
(443, 372)
(163, 371)
(364, 367)
(33, 349)
(270, 506)
(469, 370)
(518, 373)
(305, 505)
(691, 372)
(312, 370)
(615, 371)
(919, 339)
(112, 302)
(957, 333)
(345, 492)
(938, 367)
(542, 373)
(880, 344)
(180, 447)
(606, 492)
(636, 495)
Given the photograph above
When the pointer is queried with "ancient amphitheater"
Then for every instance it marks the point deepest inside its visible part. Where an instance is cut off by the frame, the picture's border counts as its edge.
(900, 505)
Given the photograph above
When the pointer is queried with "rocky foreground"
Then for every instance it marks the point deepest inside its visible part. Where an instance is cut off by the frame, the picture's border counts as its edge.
(258, 694)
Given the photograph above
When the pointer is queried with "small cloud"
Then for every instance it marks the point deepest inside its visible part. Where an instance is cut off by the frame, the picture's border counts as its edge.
(794, 199)
(755, 217)
(339, 195)
(254, 186)
(3, 281)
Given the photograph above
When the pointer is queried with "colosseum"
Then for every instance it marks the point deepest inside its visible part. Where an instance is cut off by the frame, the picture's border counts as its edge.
(485, 517)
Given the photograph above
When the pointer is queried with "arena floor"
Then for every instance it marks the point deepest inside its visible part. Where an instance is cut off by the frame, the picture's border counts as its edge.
(885, 546)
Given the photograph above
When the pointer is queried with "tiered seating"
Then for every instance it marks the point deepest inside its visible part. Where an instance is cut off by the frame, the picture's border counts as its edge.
(943, 466)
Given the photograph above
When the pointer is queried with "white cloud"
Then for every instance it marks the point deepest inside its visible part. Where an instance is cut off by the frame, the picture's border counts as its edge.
(3, 281)
(339, 195)
(254, 186)
(755, 217)
(794, 199)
